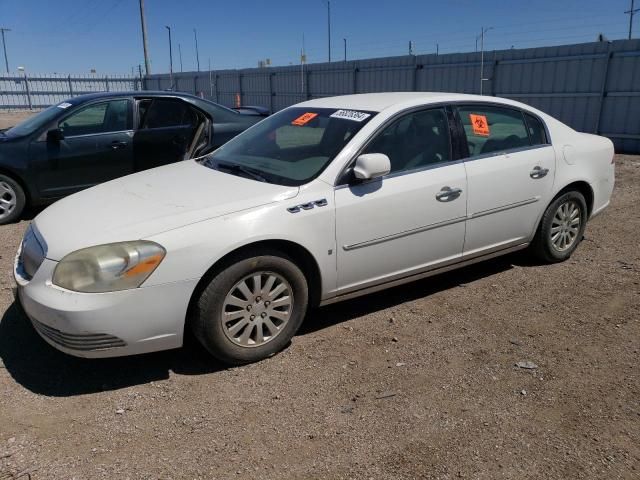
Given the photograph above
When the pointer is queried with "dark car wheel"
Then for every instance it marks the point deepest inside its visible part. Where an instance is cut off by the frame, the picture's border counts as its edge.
(12, 200)
(561, 228)
(251, 309)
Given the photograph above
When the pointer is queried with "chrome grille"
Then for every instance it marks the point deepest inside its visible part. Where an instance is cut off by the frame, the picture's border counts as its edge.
(32, 253)
(82, 342)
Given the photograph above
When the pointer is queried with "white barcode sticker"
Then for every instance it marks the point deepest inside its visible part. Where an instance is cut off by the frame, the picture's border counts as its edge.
(64, 105)
(351, 115)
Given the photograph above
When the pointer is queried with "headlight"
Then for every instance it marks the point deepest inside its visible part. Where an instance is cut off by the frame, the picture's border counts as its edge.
(108, 268)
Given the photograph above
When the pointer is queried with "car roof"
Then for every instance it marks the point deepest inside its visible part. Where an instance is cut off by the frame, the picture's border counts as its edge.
(201, 102)
(377, 102)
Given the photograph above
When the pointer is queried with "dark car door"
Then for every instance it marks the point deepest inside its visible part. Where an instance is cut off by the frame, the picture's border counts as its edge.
(96, 147)
(166, 128)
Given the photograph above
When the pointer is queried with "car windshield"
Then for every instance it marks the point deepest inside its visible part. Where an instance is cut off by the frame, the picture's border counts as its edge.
(34, 122)
(291, 147)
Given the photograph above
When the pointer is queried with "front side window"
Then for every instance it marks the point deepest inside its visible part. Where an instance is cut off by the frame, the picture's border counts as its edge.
(491, 129)
(291, 147)
(104, 117)
(416, 140)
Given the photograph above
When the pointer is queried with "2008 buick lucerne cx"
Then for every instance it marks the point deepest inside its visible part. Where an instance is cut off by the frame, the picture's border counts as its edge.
(324, 201)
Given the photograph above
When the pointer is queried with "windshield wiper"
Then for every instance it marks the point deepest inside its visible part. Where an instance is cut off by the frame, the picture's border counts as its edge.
(234, 167)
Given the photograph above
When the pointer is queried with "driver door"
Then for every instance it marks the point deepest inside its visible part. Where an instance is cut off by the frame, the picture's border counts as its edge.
(96, 147)
(410, 220)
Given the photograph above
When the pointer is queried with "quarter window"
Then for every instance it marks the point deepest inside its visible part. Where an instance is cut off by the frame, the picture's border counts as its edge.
(493, 129)
(113, 116)
(416, 140)
(536, 130)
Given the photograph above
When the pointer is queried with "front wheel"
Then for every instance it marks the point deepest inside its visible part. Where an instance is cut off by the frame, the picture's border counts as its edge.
(561, 228)
(251, 309)
(12, 200)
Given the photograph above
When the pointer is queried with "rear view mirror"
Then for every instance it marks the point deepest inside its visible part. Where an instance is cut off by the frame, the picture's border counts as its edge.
(55, 135)
(371, 165)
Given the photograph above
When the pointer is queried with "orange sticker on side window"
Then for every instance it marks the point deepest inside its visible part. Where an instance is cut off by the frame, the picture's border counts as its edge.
(304, 119)
(479, 124)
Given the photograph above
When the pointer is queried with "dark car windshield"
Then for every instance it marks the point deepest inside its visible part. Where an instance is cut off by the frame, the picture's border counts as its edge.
(34, 122)
(291, 147)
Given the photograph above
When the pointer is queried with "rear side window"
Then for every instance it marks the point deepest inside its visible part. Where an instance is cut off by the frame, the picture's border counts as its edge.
(166, 113)
(536, 130)
(491, 129)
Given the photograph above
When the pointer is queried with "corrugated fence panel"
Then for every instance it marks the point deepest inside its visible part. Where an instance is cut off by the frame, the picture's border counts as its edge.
(256, 88)
(40, 91)
(593, 87)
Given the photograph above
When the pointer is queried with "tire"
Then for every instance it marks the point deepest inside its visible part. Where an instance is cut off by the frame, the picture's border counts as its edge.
(560, 220)
(231, 305)
(12, 200)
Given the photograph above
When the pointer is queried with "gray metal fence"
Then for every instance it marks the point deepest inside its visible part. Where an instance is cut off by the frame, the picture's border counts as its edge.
(594, 87)
(24, 91)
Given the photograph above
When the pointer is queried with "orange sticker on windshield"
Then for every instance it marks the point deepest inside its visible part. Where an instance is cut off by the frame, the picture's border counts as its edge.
(479, 124)
(304, 119)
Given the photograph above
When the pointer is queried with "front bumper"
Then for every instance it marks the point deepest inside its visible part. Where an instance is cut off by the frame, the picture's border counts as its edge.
(96, 325)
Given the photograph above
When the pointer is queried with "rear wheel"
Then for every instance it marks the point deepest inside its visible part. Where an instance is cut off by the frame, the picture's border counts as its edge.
(251, 309)
(12, 200)
(561, 228)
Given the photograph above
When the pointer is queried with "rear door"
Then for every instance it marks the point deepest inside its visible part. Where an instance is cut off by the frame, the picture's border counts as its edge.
(97, 146)
(510, 169)
(166, 127)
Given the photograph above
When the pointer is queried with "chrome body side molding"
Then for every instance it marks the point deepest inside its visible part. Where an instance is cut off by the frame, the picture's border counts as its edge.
(434, 270)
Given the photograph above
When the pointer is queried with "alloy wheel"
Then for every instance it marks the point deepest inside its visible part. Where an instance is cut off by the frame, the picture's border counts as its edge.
(8, 200)
(257, 309)
(565, 226)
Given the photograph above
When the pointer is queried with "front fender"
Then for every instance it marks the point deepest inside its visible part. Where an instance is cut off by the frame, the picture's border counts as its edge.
(193, 249)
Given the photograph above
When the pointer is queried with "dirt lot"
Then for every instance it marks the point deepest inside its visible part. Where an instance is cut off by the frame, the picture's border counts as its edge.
(8, 119)
(416, 382)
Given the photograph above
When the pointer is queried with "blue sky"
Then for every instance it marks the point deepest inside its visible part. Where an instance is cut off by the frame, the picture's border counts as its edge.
(74, 36)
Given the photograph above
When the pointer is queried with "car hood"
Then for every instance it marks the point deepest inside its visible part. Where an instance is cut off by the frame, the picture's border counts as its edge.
(147, 203)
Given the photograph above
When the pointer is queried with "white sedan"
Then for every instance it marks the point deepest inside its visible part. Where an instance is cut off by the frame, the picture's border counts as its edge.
(324, 201)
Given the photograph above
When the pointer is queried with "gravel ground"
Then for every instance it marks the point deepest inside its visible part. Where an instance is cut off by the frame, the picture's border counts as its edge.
(416, 382)
(9, 119)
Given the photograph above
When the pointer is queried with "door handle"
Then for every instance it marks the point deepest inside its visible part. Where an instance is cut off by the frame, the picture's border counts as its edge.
(115, 145)
(447, 194)
(538, 172)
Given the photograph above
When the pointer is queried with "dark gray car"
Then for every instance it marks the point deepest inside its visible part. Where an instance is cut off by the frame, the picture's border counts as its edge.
(93, 138)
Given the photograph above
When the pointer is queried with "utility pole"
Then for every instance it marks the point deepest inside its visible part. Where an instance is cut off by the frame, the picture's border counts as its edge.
(180, 55)
(345, 49)
(4, 47)
(303, 60)
(195, 35)
(210, 82)
(329, 26)
(410, 47)
(170, 59)
(482, 79)
(143, 22)
(631, 12)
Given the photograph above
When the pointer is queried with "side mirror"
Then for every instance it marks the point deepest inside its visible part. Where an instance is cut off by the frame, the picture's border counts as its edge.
(371, 165)
(55, 135)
